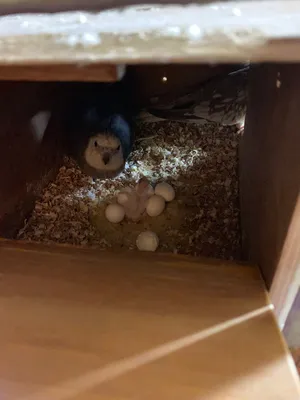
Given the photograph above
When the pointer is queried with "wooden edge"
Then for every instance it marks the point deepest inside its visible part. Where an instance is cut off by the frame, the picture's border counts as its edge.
(292, 326)
(286, 279)
(288, 305)
(158, 51)
(62, 72)
(45, 319)
(269, 183)
(94, 252)
(35, 6)
(136, 259)
(235, 32)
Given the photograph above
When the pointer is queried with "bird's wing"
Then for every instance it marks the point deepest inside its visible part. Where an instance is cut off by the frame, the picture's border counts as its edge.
(221, 100)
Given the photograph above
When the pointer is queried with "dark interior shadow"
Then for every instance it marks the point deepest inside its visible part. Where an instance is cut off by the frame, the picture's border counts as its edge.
(27, 162)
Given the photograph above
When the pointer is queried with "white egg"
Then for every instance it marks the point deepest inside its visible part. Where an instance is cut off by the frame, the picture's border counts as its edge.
(165, 190)
(147, 241)
(155, 205)
(115, 213)
(123, 198)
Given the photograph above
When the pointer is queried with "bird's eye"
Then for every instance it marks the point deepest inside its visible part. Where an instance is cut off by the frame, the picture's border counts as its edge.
(95, 143)
(118, 148)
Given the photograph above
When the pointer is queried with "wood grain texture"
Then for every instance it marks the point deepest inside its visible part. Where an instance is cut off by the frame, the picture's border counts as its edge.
(270, 170)
(60, 72)
(83, 324)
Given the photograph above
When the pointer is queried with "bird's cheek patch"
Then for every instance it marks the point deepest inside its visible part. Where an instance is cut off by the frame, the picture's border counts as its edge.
(39, 123)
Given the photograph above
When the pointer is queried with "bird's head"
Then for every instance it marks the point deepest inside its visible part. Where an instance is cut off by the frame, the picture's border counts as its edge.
(106, 150)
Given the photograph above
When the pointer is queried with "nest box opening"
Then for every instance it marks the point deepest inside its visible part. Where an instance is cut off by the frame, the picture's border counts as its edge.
(182, 136)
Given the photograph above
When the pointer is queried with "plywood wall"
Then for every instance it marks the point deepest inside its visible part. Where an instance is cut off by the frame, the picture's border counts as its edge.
(270, 171)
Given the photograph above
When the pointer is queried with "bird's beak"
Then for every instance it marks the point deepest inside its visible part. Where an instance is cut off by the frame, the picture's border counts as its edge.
(105, 158)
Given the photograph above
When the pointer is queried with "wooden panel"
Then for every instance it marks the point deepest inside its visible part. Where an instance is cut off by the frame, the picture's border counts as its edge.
(296, 356)
(75, 72)
(27, 162)
(20, 6)
(270, 170)
(247, 30)
(292, 326)
(84, 324)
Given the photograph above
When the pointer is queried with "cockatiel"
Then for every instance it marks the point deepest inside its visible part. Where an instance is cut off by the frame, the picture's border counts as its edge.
(221, 99)
(99, 127)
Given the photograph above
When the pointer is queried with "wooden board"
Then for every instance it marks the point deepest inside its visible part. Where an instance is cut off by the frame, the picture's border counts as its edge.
(88, 325)
(21, 6)
(292, 326)
(199, 33)
(296, 357)
(62, 72)
(270, 170)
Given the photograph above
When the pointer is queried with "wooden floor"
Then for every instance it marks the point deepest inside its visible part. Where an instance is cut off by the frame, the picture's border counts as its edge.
(84, 325)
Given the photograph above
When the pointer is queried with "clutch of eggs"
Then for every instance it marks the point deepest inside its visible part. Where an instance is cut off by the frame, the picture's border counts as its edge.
(155, 205)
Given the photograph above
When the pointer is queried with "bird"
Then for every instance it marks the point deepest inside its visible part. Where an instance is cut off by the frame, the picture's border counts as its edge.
(99, 127)
(221, 99)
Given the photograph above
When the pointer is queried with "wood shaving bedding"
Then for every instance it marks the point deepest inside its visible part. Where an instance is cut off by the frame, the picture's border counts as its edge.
(201, 162)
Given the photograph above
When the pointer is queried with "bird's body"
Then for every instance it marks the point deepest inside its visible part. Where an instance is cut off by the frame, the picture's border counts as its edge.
(99, 127)
(222, 100)
(100, 116)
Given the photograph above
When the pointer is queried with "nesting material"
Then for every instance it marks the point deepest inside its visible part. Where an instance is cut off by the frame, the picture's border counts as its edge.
(203, 219)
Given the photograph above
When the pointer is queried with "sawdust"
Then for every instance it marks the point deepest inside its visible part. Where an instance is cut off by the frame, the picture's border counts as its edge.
(200, 162)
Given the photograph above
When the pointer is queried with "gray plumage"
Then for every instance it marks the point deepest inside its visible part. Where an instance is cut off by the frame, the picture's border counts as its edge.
(222, 100)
